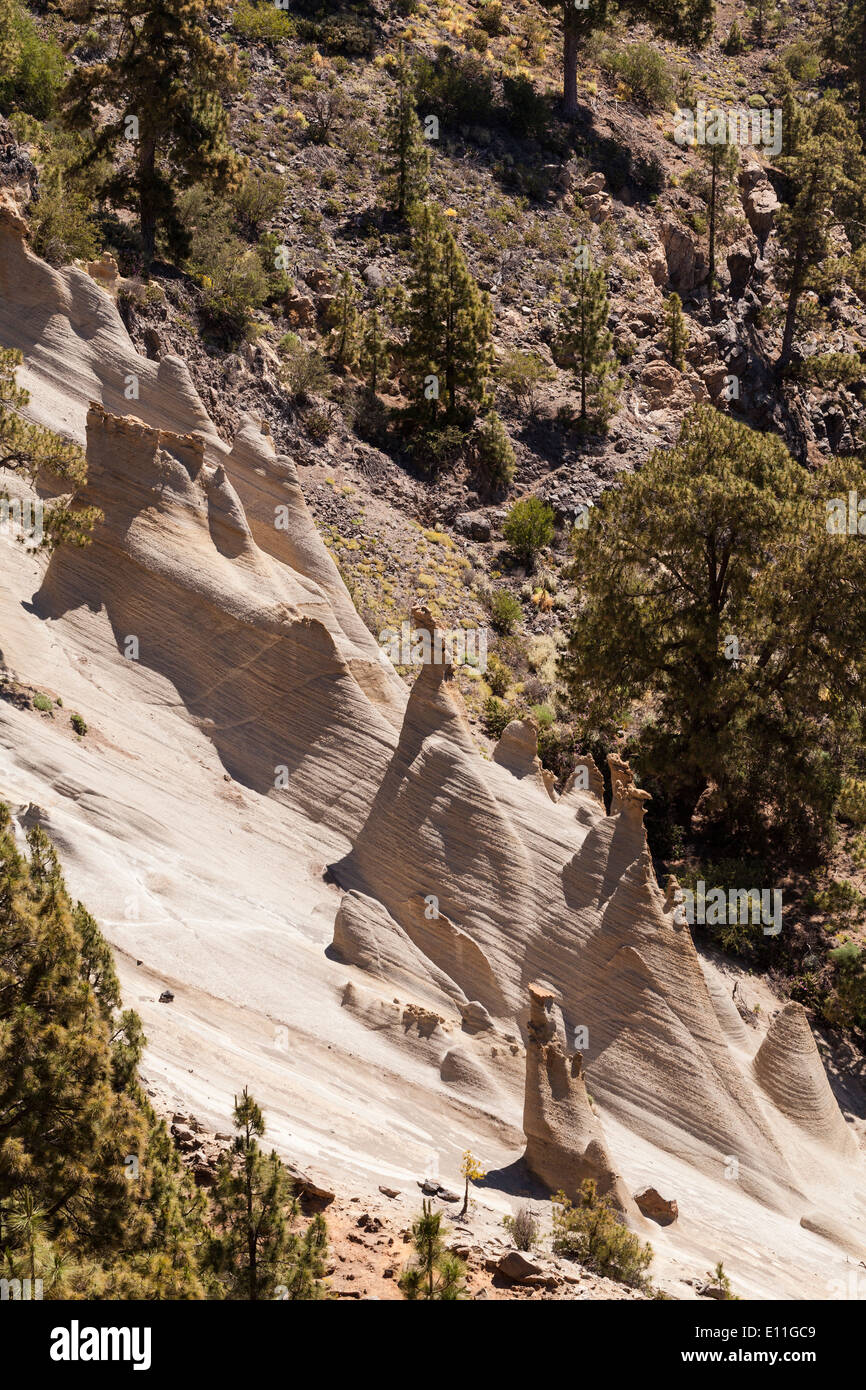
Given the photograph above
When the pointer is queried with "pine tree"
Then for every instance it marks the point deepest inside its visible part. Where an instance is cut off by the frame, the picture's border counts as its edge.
(344, 338)
(74, 1124)
(434, 1274)
(375, 353)
(164, 87)
(721, 160)
(851, 48)
(677, 332)
(685, 20)
(449, 320)
(826, 175)
(725, 534)
(36, 452)
(256, 1254)
(408, 161)
(584, 343)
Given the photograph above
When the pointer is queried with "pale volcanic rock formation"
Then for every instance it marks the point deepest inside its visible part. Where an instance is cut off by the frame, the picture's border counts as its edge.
(571, 902)
(241, 636)
(77, 350)
(788, 1068)
(257, 735)
(517, 750)
(565, 1143)
(365, 936)
(584, 777)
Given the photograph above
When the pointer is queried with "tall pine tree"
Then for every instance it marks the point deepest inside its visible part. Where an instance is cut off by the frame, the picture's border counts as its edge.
(584, 343)
(344, 337)
(826, 175)
(449, 320)
(689, 21)
(375, 353)
(93, 1197)
(407, 158)
(164, 86)
(721, 161)
(852, 50)
(255, 1252)
(677, 333)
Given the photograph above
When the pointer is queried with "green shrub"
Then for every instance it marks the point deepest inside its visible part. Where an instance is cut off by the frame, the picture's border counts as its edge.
(845, 1006)
(490, 18)
(43, 703)
(232, 278)
(493, 451)
(233, 285)
(526, 111)
(522, 373)
(852, 801)
(839, 901)
(829, 368)
(855, 272)
(505, 610)
(78, 724)
(306, 373)
(719, 1280)
(498, 675)
(262, 23)
(318, 425)
(435, 447)
(543, 715)
(457, 88)
(523, 1228)
(476, 39)
(734, 43)
(802, 61)
(497, 716)
(33, 66)
(644, 71)
(346, 34)
(529, 527)
(258, 200)
(60, 224)
(591, 1233)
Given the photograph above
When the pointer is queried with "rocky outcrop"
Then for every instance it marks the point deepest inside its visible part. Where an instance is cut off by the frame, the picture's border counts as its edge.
(686, 263)
(18, 173)
(367, 937)
(466, 881)
(761, 207)
(760, 202)
(517, 750)
(564, 1141)
(663, 1210)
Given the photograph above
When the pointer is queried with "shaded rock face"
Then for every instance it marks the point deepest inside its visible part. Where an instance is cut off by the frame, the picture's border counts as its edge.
(564, 1140)
(657, 1208)
(687, 267)
(17, 170)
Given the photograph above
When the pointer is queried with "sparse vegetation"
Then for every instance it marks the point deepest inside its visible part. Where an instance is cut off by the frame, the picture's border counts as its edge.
(528, 528)
(590, 1231)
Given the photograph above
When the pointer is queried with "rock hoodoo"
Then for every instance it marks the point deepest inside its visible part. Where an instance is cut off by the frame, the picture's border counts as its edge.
(564, 1139)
